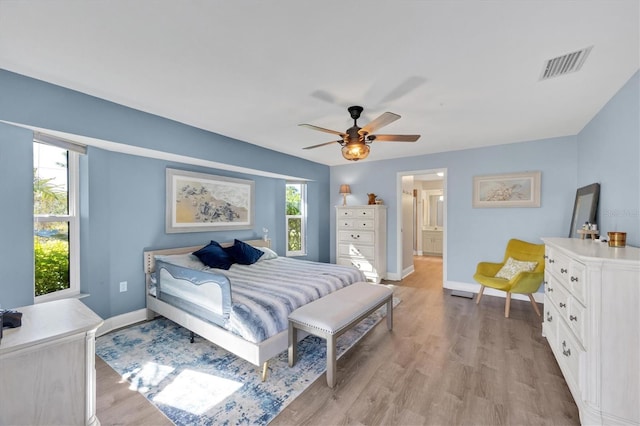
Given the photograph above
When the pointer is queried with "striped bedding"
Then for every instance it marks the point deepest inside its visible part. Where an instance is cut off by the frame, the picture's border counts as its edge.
(265, 293)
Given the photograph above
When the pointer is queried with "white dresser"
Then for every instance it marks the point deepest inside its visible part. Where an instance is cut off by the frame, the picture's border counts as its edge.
(47, 366)
(592, 323)
(361, 239)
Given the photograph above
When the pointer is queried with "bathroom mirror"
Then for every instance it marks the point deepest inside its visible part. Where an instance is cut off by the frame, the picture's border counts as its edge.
(433, 209)
(585, 207)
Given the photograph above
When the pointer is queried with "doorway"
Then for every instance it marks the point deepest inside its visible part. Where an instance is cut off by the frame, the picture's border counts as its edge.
(422, 213)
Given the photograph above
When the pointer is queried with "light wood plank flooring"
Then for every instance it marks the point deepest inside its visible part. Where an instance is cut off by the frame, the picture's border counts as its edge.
(448, 361)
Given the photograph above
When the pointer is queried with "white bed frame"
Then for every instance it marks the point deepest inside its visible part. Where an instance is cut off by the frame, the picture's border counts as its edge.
(256, 353)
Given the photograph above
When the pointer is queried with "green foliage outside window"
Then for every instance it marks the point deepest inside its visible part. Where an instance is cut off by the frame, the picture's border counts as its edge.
(51, 265)
(51, 239)
(294, 224)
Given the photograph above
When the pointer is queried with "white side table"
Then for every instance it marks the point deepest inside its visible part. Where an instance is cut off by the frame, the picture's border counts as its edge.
(47, 366)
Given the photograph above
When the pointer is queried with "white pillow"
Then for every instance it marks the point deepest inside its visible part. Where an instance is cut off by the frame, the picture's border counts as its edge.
(186, 260)
(268, 253)
(513, 267)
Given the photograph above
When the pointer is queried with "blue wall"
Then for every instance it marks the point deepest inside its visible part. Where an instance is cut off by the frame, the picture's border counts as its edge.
(16, 195)
(123, 196)
(607, 150)
(609, 153)
(482, 233)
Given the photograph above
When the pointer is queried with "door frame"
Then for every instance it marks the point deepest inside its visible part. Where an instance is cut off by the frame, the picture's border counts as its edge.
(399, 235)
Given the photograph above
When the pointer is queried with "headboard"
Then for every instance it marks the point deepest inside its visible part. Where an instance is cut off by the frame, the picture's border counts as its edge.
(149, 259)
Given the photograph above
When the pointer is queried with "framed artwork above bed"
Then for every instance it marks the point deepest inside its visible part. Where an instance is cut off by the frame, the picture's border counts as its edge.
(200, 202)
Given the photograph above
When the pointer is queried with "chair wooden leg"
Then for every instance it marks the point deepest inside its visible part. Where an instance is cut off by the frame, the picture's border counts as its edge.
(479, 295)
(507, 305)
(535, 305)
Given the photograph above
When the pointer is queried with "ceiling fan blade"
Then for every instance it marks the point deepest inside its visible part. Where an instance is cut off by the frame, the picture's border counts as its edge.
(322, 129)
(321, 144)
(410, 84)
(382, 120)
(393, 138)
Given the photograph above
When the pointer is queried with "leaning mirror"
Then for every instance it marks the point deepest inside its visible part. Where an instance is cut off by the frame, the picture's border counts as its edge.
(585, 207)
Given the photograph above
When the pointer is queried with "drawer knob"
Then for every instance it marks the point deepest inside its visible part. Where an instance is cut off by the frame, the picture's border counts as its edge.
(355, 236)
(565, 351)
(550, 289)
(563, 271)
(563, 305)
(552, 261)
(573, 318)
(549, 317)
(574, 279)
(546, 257)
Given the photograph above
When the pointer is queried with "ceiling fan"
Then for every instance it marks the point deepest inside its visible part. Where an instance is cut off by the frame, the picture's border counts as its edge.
(355, 140)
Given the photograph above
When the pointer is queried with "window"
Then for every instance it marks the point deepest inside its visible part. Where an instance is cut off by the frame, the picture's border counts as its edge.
(55, 221)
(296, 219)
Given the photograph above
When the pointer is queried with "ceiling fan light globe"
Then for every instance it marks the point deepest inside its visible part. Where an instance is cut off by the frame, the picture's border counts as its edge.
(355, 151)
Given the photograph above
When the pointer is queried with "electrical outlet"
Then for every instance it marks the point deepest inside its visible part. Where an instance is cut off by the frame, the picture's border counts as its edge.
(123, 286)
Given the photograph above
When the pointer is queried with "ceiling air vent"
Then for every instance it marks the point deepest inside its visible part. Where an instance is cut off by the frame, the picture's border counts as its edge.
(565, 64)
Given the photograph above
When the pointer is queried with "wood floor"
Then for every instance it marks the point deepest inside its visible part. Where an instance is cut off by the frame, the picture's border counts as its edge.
(448, 361)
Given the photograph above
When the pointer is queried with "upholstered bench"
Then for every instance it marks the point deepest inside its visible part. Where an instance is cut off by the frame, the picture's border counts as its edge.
(334, 314)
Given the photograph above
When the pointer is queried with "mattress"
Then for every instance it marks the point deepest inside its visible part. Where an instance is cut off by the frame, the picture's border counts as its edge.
(260, 296)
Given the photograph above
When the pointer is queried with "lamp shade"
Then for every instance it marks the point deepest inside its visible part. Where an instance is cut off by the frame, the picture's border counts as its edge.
(345, 189)
(355, 151)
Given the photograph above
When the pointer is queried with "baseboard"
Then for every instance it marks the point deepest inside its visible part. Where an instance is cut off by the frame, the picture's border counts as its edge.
(393, 276)
(408, 271)
(123, 320)
(475, 288)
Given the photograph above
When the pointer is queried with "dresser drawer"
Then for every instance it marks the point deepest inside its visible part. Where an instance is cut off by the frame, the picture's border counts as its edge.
(558, 265)
(364, 213)
(345, 213)
(363, 224)
(353, 250)
(345, 222)
(364, 237)
(576, 319)
(570, 272)
(577, 280)
(560, 297)
(360, 263)
(550, 322)
(550, 289)
(570, 355)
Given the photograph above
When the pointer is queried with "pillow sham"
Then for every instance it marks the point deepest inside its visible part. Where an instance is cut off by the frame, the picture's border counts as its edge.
(268, 253)
(214, 256)
(513, 267)
(243, 253)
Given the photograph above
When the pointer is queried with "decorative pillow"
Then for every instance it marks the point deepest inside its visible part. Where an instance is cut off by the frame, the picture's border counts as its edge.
(513, 267)
(187, 260)
(268, 254)
(214, 256)
(243, 253)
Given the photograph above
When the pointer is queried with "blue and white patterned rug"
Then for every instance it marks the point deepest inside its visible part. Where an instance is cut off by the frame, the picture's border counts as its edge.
(201, 384)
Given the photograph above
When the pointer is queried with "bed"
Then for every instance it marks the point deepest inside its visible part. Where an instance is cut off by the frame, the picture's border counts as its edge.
(243, 309)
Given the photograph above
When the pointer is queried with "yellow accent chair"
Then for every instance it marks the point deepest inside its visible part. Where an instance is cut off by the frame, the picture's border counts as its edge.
(521, 271)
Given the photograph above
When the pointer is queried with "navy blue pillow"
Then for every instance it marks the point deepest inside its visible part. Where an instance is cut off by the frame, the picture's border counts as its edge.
(244, 253)
(214, 256)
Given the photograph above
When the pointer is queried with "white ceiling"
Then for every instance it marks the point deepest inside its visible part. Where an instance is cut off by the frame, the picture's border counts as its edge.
(254, 70)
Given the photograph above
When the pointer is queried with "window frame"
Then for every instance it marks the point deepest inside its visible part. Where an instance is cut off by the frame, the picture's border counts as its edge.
(303, 221)
(73, 178)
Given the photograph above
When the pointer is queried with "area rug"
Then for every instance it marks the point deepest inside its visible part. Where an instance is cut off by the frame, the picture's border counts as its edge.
(201, 384)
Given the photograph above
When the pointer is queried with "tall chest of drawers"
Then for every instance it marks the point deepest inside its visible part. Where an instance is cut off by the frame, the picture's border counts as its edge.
(361, 239)
(592, 323)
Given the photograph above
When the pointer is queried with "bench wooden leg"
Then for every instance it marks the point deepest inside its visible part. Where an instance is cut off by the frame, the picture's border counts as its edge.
(293, 344)
(331, 361)
(390, 314)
